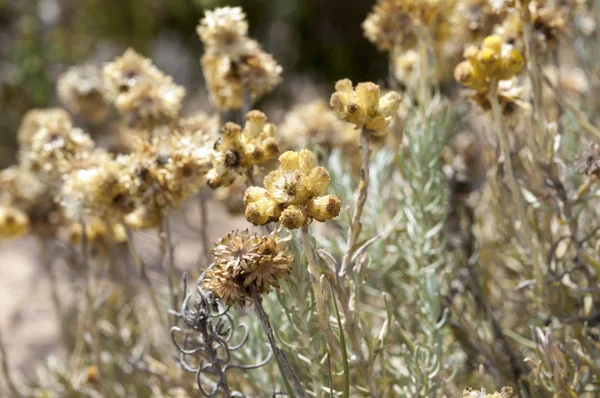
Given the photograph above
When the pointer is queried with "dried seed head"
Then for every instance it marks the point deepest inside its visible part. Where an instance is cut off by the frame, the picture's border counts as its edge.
(244, 262)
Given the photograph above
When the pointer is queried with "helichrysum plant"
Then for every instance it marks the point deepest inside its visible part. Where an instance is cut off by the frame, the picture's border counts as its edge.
(434, 234)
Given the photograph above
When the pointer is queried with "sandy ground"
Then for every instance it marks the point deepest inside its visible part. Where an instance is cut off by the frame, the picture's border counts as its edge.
(28, 322)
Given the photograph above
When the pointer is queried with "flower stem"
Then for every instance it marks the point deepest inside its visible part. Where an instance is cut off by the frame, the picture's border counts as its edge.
(315, 278)
(137, 260)
(10, 384)
(282, 362)
(166, 244)
(542, 136)
(511, 182)
(204, 228)
(356, 226)
(89, 302)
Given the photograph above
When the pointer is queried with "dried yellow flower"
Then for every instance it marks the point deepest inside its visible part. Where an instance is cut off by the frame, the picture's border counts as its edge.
(239, 150)
(364, 106)
(82, 91)
(224, 31)
(54, 119)
(496, 60)
(141, 92)
(293, 194)
(232, 62)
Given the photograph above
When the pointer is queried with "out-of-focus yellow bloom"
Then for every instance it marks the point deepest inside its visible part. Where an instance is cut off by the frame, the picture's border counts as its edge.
(82, 91)
(314, 123)
(13, 223)
(495, 60)
(363, 106)
(141, 92)
(293, 194)
(233, 64)
(224, 31)
(97, 231)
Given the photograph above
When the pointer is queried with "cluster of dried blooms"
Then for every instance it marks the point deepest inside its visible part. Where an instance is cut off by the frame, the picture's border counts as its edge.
(234, 65)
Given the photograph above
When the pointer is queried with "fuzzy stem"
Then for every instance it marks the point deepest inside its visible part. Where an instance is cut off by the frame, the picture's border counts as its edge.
(511, 182)
(582, 120)
(543, 139)
(137, 260)
(204, 228)
(315, 277)
(356, 226)
(10, 384)
(89, 301)
(424, 42)
(282, 362)
(166, 244)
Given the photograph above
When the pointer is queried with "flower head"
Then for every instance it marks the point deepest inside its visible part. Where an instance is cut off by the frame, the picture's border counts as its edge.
(54, 119)
(244, 262)
(82, 91)
(224, 31)
(363, 106)
(293, 194)
(494, 60)
(239, 150)
(232, 62)
(141, 92)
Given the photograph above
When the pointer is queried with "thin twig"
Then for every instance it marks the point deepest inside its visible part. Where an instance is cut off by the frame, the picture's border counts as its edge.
(6, 371)
(137, 260)
(204, 228)
(582, 120)
(90, 294)
(166, 244)
(356, 226)
(282, 361)
(315, 277)
(511, 182)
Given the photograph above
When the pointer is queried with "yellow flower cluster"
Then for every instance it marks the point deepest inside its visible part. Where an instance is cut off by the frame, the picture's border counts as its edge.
(13, 223)
(82, 92)
(293, 194)
(243, 263)
(364, 106)
(233, 63)
(495, 61)
(239, 150)
(141, 92)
